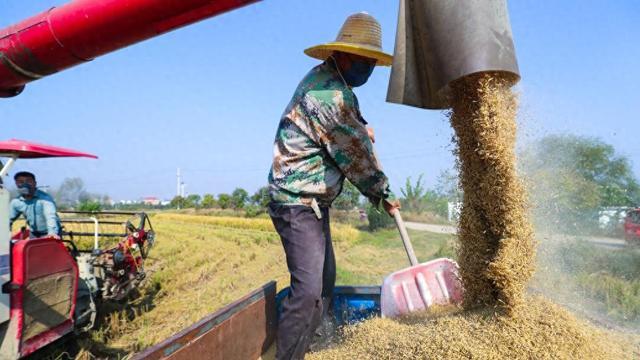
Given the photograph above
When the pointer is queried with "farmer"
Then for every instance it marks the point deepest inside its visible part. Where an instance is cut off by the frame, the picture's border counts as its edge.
(36, 206)
(321, 139)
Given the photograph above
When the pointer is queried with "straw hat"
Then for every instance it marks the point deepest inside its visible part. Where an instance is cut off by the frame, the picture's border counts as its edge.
(360, 34)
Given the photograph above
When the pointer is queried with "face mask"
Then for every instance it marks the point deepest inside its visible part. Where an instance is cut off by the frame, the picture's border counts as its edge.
(358, 73)
(26, 189)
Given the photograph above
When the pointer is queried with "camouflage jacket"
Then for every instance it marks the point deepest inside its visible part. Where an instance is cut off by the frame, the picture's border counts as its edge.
(321, 139)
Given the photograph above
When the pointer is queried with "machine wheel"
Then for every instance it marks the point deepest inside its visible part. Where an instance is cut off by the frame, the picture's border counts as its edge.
(86, 308)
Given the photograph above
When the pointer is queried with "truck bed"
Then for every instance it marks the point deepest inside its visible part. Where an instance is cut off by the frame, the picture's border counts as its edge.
(246, 328)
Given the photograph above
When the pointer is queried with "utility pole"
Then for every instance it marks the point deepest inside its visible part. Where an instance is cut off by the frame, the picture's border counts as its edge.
(178, 183)
(179, 188)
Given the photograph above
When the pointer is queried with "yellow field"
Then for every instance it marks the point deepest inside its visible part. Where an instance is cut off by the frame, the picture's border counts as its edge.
(201, 263)
(339, 232)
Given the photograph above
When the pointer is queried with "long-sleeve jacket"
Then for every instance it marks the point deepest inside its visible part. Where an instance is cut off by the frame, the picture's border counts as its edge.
(40, 212)
(322, 138)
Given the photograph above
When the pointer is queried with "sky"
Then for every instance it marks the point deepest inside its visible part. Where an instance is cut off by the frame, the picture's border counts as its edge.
(207, 98)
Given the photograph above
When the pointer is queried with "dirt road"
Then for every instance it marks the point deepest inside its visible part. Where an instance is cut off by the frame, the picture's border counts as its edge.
(439, 229)
(448, 229)
(602, 241)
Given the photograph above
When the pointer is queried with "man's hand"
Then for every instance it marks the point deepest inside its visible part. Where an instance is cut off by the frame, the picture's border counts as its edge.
(391, 206)
(372, 136)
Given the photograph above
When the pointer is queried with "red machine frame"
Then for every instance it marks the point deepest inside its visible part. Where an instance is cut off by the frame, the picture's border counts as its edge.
(30, 260)
(82, 30)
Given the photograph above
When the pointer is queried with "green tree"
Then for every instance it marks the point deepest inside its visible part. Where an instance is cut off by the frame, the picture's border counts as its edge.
(413, 195)
(571, 177)
(208, 201)
(417, 198)
(435, 203)
(253, 210)
(224, 201)
(239, 198)
(261, 197)
(178, 202)
(378, 219)
(192, 201)
(349, 198)
(90, 205)
(448, 185)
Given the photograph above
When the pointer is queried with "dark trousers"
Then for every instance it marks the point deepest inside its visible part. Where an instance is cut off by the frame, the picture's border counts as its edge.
(312, 265)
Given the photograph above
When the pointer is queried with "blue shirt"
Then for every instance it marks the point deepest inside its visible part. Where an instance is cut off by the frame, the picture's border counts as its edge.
(40, 212)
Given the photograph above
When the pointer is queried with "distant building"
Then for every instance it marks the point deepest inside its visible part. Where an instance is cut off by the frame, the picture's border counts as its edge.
(151, 200)
(453, 210)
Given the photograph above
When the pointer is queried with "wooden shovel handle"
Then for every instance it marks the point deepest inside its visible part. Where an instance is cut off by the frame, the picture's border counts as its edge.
(405, 238)
(400, 224)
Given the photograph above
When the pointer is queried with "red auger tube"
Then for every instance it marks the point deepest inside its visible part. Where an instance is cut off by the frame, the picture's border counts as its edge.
(82, 30)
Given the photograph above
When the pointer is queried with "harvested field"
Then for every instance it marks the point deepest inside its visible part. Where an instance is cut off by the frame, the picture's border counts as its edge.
(339, 232)
(201, 263)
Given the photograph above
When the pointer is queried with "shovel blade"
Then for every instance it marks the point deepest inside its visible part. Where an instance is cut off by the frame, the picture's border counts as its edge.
(419, 287)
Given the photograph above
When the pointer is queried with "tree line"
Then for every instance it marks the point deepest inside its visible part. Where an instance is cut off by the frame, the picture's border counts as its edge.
(239, 199)
(569, 178)
(572, 178)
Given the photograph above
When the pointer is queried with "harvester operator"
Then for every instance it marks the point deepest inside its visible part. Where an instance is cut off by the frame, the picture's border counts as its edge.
(321, 139)
(38, 207)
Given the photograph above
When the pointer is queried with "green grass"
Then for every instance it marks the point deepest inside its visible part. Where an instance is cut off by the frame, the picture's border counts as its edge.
(584, 257)
(380, 253)
(610, 276)
(602, 280)
(346, 277)
(423, 242)
(621, 297)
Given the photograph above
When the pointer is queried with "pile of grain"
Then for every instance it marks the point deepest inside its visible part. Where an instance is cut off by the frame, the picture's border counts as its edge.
(543, 331)
(496, 248)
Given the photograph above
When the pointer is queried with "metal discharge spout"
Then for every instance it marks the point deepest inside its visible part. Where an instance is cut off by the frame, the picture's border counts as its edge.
(440, 41)
(82, 30)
